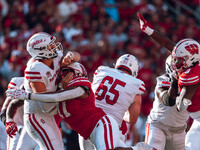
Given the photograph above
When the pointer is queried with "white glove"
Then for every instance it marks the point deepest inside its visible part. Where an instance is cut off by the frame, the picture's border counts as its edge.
(18, 94)
(182, 104)
(143, 25)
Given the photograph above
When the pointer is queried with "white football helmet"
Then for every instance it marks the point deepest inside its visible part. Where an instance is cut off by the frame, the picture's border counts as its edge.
(77, 68)
(185, 54)
(129, 63)
(42, 46)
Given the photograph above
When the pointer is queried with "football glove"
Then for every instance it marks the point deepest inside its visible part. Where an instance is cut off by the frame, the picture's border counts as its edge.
(17, 94)
(143, 25)
(11, 128)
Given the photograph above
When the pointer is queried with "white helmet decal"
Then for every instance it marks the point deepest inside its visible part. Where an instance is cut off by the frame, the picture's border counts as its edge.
(42, 46)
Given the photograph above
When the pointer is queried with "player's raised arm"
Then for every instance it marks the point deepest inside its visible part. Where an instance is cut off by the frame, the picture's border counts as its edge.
(157, 36)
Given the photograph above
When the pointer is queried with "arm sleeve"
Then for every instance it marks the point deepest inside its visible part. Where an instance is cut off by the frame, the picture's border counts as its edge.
(57, 97)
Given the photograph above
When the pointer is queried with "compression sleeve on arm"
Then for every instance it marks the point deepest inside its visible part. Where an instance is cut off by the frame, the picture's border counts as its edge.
(57, 97)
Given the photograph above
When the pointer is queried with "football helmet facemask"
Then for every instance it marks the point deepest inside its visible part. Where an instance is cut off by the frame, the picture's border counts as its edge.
(128, 63)
(42, 46)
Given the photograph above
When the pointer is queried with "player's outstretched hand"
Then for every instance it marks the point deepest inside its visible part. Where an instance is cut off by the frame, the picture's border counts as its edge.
(17, 94)
(143, 25)
(11, 128)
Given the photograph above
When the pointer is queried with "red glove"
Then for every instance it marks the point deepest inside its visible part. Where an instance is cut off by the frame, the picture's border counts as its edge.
(11, 128)
(143, 25)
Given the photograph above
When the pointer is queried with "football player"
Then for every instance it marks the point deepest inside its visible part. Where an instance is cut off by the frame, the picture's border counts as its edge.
(118, 91)
(185, 61)
(77, 107)
(18, 137)
(165, 127)
(40, 76)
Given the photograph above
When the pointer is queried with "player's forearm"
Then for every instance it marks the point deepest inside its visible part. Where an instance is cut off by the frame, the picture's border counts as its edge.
(12, 108)
(6, 103)
(163, 40)
(57, 97)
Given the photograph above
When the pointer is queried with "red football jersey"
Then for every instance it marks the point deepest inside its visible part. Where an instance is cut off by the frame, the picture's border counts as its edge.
(81, 113)
(191, 77)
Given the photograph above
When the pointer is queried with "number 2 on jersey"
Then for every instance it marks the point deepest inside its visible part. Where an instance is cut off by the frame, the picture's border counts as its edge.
(104, 88)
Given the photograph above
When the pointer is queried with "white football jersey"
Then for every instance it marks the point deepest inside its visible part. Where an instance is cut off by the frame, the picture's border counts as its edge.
(115, 91)
(17, 82)
(37, 71)
(165, 114)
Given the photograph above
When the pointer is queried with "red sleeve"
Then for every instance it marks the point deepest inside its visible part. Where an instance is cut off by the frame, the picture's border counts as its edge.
(79, 81)
(190, 77)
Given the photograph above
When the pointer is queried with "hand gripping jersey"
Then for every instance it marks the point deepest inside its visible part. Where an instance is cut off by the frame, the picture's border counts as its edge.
(191, 77)
(165, 114)
(81, 113)
(17, 82)
(36, 71)
(115, 91)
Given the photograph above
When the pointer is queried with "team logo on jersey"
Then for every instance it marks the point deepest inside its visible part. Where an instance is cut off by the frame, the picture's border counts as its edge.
(42, 121)
(48, 74)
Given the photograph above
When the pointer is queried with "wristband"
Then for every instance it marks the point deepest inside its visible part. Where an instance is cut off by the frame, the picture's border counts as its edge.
(149, 31)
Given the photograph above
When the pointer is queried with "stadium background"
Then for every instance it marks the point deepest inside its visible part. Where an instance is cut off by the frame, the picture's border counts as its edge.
(101, 31)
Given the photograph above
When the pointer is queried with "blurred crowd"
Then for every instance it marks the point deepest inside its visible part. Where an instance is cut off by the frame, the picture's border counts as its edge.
(100, 30)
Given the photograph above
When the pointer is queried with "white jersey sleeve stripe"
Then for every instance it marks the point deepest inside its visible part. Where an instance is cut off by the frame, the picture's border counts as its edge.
(189, 81)
(193, 78)
(72, 82)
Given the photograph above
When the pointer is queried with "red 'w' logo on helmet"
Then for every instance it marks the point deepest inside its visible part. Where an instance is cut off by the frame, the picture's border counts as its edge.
(192, 49)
